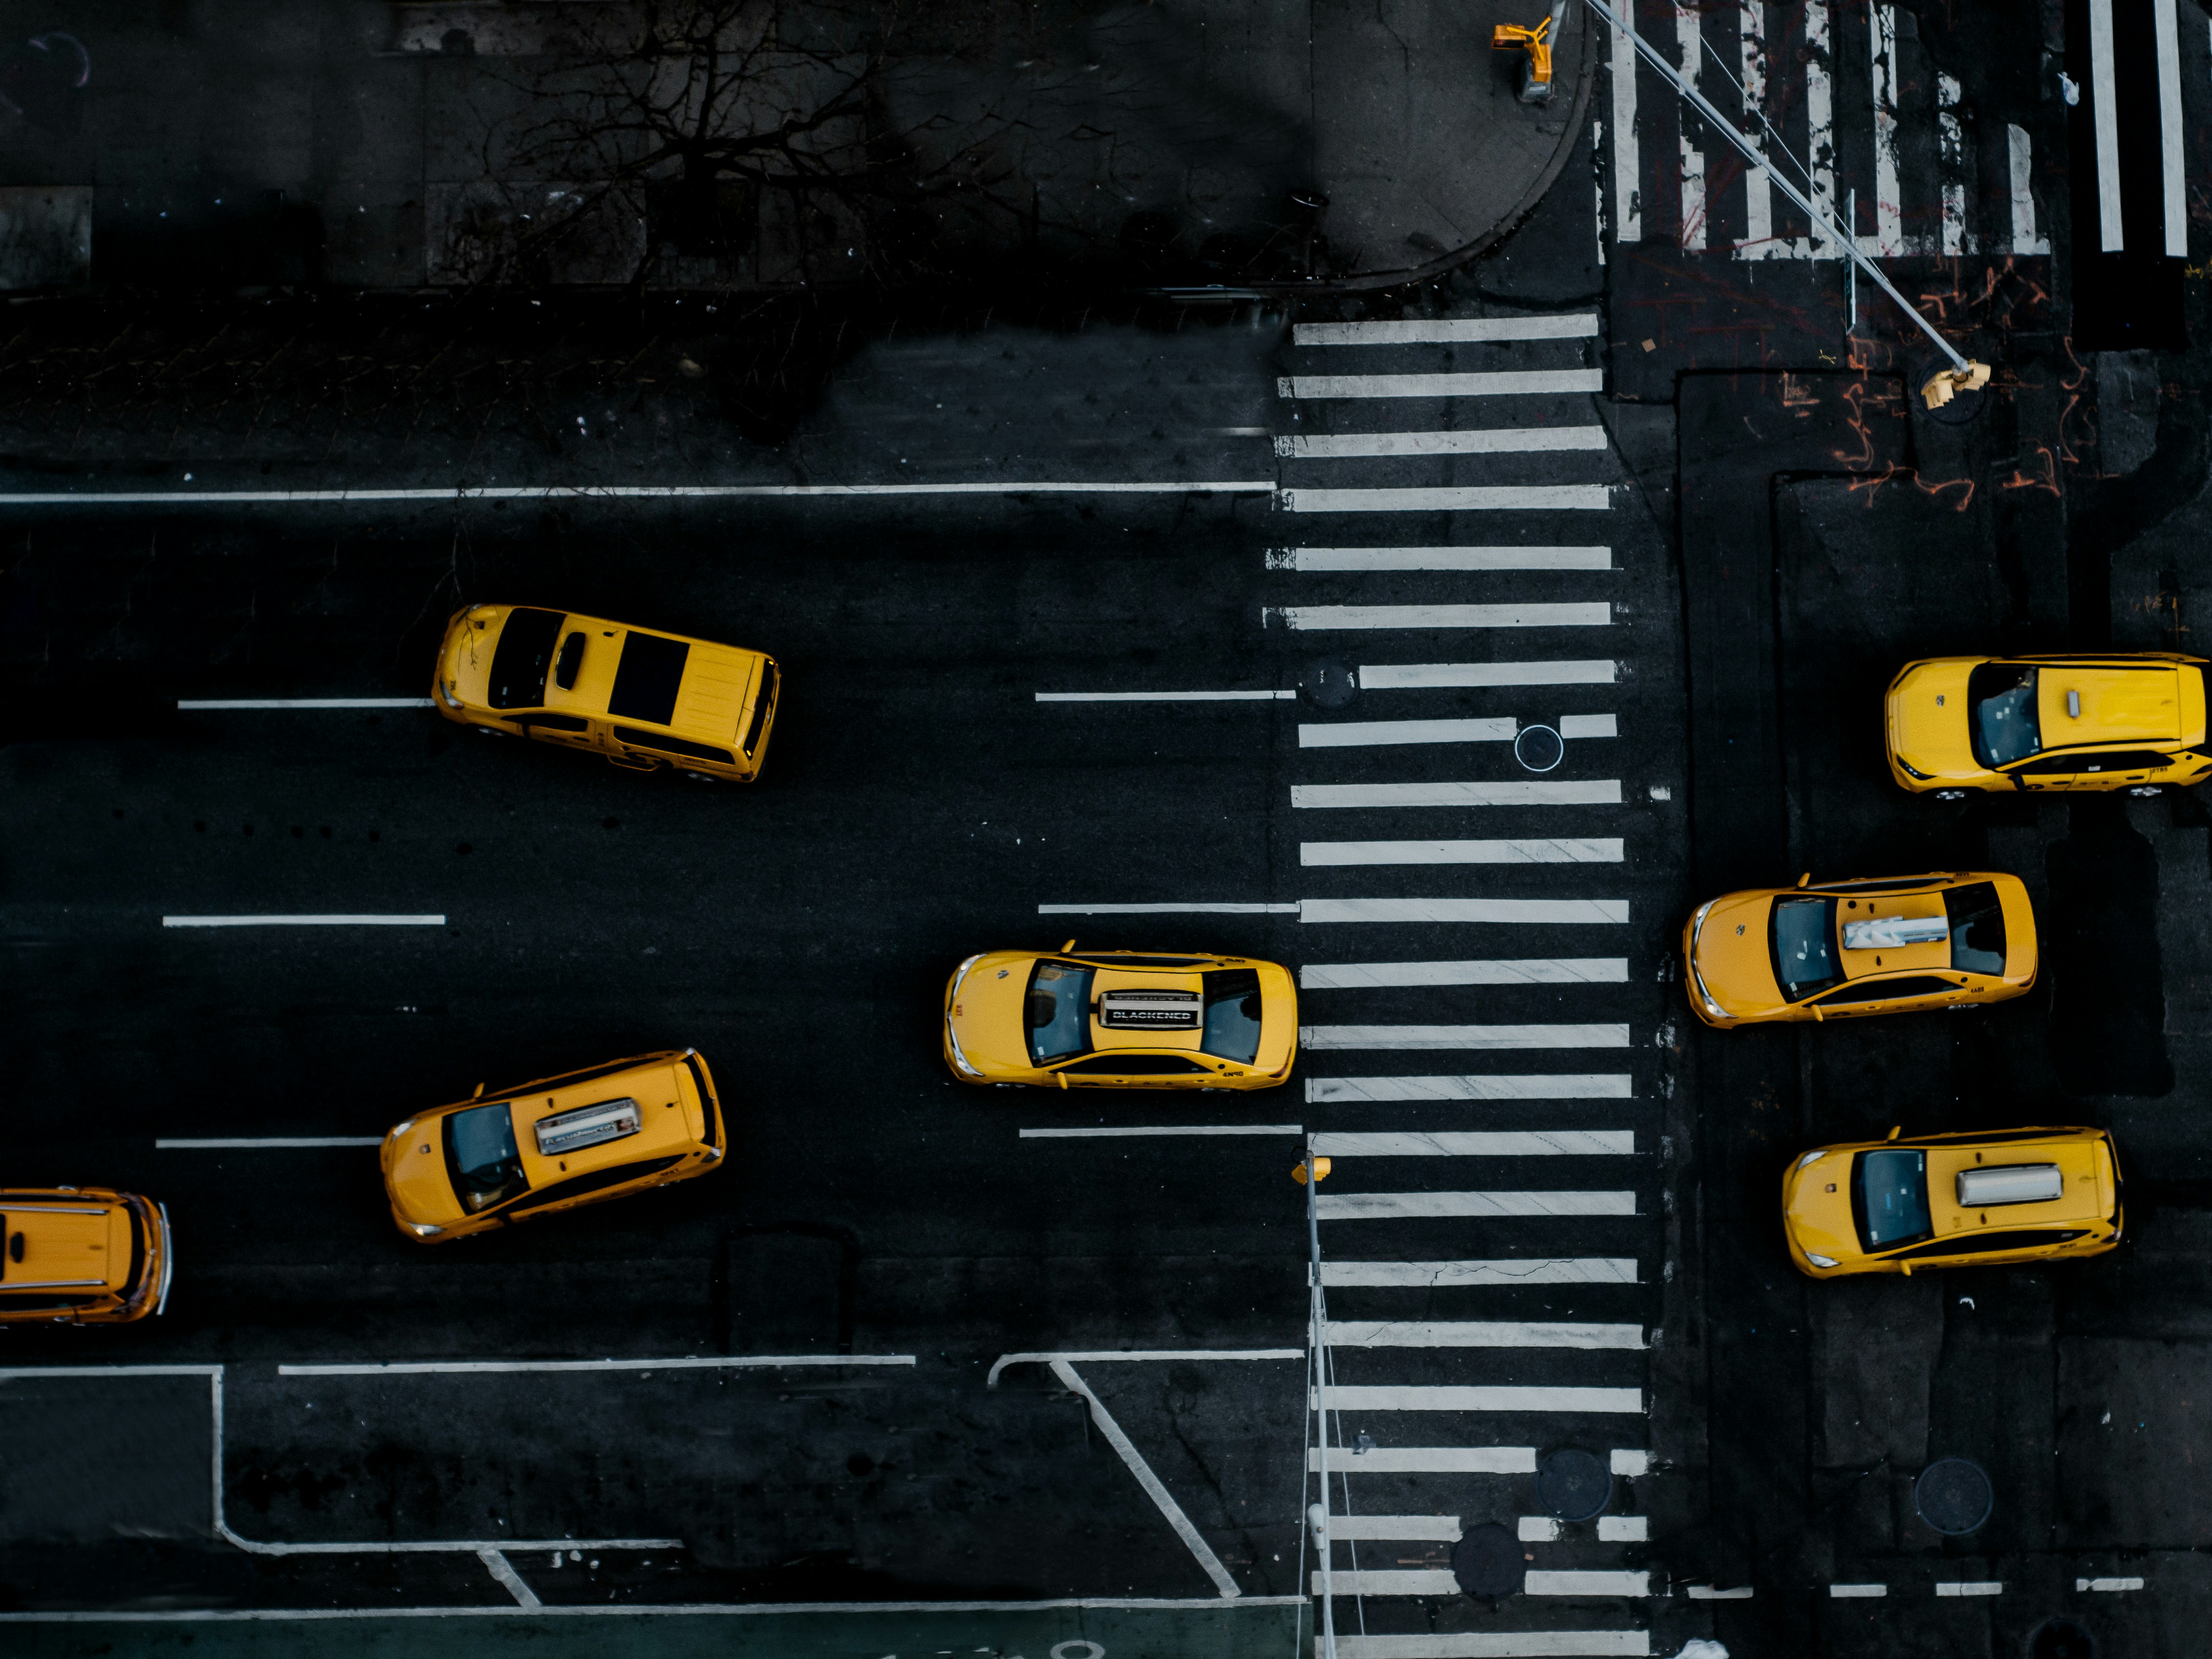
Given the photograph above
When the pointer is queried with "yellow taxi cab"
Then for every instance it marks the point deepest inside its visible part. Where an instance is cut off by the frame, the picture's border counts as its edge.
(580, 1137)
(1952, 1200)
(644, 701)
(2132, 721)
(82, 1255)
(1119, 1019)
(1844, 948)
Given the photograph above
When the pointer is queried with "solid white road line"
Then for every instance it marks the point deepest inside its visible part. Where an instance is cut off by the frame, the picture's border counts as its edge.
(305, 702)
(1608, 1036)
(1400, 1206)
(1627, 168)
(1888, 240)
(2168, 35)
(262, 1142)
(1592, 791)
(503, 1571)
(1350, 734)
(620, 493)
(1632, 1464)
(1489, 440)
(1511, 912)
(2105, 109)
(627, 1609)
(689, 1363)
(1476, 1143)
(1498, 383)
(1448, 1275)
(1622, 1530)
(1502, 970)
(1393, 1529)
(1948, 1588)
(1440, 558)
(1167, 696)
(1541, 1582)
(1481, 1397)
(1452, 498)
(1178, 1129)
(1429, 1459)
(1562, 1085)
(1424, 676)
(1858, 1592)
(1481, 1333)
(1497, 1645)
(1224, 910)
(1312, 617)
(2021, 156)
(1589, 725)
(1448, 331)
(303, 921)
(1549, 850)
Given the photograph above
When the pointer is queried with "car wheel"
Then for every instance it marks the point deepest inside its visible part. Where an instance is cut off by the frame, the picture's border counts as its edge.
(2145, 791)
(701, 777)
(1950, 794)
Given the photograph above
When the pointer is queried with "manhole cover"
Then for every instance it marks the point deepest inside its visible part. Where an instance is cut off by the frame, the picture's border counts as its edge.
(1487, 1561)
(1952, 1496)
(1573, 1484)
(1330, 684)
(1538, 748)
(2061, 1638)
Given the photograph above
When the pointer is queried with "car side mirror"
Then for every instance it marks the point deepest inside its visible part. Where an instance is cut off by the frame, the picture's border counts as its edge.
(1805, 880)
(1068, 946)
(1895, 1130)
(1060, 1078)
(479, 1094)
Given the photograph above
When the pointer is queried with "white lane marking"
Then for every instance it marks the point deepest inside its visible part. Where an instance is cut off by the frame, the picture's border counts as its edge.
(1689, 48)
(1448, 331)
(1481, 1397)
(1758, 196)
(1497, 1645)
(1324, 1037)
(303, 702)
(1622, 1530)
(1223, 909)
(1390, 1206)
(1452, 498)
(1632, 1464)
(2107, 1585)
(1821, 127)
(1177, 1129)
(1497, 383)
(1595, 792)
(688, 1363)
(1858, 1592)
(1389, 1528)
(1590, 725)
(1430, 1460)
(1483, 440)
(1200, 1550)
(1592, 614)
(1952, 150)
(1389, 1581)
(1627, 173)
(1968, 1587)
(620, 493)
(1538, 1530)
(1707, 1593)
(1417, 676)
(1350, 734)
(1088, 1357)
(2176, 213)
(503, 1571)
(645, 1610)
(1440, 558)
(2103, 106)
(1521, 913)
(1166, 696)
(1481, 1333)
(1499, 971)
(303, 921)
(2021, 154)
(1543, 1582)
(1597, 186)
(1517, 1270)
(1562, 1085)
(1476, 1143)
(1888, 240)
(1550, 850)
(265, 1142)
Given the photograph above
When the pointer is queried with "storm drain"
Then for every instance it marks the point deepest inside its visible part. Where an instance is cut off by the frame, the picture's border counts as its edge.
(2061, 1638)
(1488, 1561)
(1952, 1496)
(1572, 1484)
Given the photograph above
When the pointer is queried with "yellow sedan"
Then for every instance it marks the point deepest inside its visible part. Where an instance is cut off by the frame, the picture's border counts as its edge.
(1846, 948)
(1119, 1019)
(1954, 1200)
(2134, 721)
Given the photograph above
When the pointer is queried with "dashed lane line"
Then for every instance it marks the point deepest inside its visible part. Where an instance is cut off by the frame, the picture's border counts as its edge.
(1483, 440)
(1500, 971)
(1603, 849)
(191, 705)
(1424, 675)
(1604, 1036)
(1494, 383)
(622, 493)
(1451, 1275)
(1482, 1333)
(1969, 1587)
(1479, 1397)
(1167, 696)
(1512, 791)
(1448, 331)
(1440, 558)
(688, 1363)
(1475, 1143)
(332, 920)
(1543, 1086)
(1323, 617)
(1505, 911)
(1400, 1206)
(1452, 498)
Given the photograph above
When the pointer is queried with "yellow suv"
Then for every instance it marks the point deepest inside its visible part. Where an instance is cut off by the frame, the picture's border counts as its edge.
(2133, 722)
(1844, 948)
(580, 1137)
(82, 1255)
(1119, 1019)
(1954, 1200)
(644, 701)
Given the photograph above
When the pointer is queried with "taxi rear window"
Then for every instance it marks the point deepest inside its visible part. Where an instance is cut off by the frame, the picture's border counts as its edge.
(481, 1157)
(649, 677)
(526, 651)
(1232, 1014)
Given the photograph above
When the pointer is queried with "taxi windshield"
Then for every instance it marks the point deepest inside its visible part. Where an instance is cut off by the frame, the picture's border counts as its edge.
(1978, 932)
(1802, 936)
(518, 664)
(481, 1157)
(1057, 1010)
(2002, 717)
(1232, 1015)
(1889, 1200)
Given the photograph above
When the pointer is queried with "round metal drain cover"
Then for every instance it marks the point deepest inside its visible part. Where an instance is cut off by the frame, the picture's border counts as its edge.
(2061, 1638)
(1538, 748)
(1573, 1484)
(1330, 684)
(1487, 1561)
(1952, 1496)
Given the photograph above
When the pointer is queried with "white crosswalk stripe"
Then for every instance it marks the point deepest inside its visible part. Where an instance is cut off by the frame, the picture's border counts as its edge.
(1606, 849)
(1505, 383)
(1438, 675)
(1439, 1275)
(1481, 1397)
(1497, 1645)
(1524, 970)
(1486, 440)
(1387, 1206)
(1563, 1085)
(1597, 792)
(1463, 1037)
(1313, 617)
(1442, 558)
(1475, 1143)
(1481, 1333)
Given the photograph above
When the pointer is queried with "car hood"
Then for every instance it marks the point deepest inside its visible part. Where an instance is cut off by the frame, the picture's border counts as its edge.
(1931, 737)
(1737, 968)
(1820, 1221)
(985, 1016)
(421, 1190)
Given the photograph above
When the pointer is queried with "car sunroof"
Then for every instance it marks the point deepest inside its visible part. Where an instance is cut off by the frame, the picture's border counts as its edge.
(646, 683)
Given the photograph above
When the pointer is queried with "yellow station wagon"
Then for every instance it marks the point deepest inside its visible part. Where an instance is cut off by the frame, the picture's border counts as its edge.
(645, 700)
(1119, 1019)
(1846, 948)
(1952, 1200)
(82, 1255)
(2133, 722)
(578, 1139)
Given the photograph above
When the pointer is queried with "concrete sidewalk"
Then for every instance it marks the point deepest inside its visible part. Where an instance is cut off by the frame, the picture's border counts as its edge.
(1295, 143)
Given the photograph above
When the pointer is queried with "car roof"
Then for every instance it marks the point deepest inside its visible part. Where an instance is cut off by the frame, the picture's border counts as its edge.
(711, 681)
(655, 1082)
